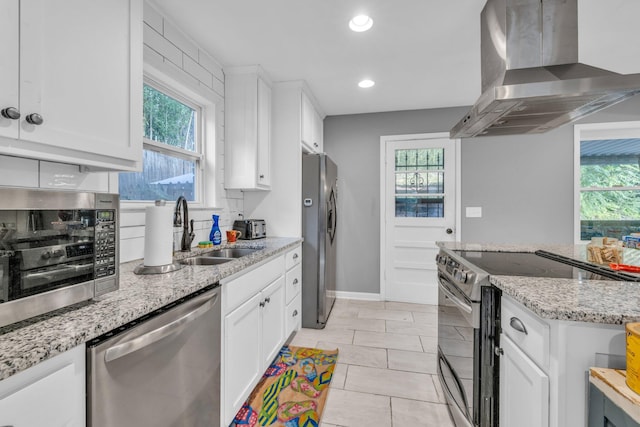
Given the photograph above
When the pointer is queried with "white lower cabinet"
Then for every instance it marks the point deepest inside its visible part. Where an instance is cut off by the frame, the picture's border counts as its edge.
(254, 324)
(51, 394)
(524, 389)
(544, 366)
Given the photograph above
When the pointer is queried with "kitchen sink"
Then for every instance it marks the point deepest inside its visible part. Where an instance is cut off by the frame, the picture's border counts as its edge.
(201, 260)
(231, 252)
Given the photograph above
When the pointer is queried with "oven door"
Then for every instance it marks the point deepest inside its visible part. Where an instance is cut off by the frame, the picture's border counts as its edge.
(458, 344)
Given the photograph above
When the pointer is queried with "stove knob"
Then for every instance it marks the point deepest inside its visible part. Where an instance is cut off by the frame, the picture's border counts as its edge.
(58, 253)
(460, 275)
(46, 255)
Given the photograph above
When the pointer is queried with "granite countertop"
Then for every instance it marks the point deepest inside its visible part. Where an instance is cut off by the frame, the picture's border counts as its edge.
(594, 301)
(29, 342)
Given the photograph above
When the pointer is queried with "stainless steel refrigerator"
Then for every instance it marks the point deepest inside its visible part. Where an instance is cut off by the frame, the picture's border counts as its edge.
(319, 227)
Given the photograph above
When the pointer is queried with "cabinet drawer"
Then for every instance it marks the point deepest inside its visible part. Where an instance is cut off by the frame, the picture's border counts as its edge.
(294, 315)
(294, 256)
(244, 287)
(515, 320)
(294, 282)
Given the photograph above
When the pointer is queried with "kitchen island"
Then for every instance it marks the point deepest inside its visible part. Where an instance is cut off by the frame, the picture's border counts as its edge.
(27, 343)
(552, 331)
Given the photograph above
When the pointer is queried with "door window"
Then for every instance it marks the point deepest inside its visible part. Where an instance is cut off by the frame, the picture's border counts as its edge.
(419, 182)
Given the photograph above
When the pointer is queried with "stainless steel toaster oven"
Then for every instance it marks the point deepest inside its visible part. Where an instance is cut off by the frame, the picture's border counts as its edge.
(251, 228)
(57, 248)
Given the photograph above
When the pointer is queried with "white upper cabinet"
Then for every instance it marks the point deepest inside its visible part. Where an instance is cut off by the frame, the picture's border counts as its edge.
(247, 129)
(72, 70)
(312, 126)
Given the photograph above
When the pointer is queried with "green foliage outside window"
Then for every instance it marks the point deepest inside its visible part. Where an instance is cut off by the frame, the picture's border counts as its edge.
(168, 120)
(610, 204)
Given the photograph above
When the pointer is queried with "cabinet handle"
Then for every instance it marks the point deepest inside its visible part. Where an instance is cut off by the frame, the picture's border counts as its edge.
(315, 144)
(10, 113)
(262, 303)
(295, 313)
(34, 119)
(518, 325)
(295, 281)
(261, 176)
(267, 299)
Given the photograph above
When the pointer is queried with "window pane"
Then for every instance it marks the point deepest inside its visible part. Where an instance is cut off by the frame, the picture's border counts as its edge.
(163, 177)
(169, 121)
(420, 159)
(420, 206)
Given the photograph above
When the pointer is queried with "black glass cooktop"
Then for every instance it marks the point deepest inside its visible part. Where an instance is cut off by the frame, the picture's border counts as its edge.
(541, 264)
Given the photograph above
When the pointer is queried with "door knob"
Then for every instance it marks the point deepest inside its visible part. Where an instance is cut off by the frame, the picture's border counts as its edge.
(449, 231)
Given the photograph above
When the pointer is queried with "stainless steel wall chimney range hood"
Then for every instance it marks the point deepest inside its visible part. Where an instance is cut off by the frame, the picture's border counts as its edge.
(532, 81)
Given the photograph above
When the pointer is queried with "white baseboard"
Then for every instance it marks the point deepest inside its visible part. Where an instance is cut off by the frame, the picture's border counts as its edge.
(365, 296)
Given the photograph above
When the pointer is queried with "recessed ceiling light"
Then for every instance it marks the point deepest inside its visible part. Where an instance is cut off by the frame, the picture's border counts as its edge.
(360, 23)
(366, 83)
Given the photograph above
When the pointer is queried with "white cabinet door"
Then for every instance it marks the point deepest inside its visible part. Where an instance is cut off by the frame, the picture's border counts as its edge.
(247, 153)
(264, 134)
(50, 394)
(243, 361)
(76, 73)
(318, 132)
(273, 313)
(524, 389)
(9, 34)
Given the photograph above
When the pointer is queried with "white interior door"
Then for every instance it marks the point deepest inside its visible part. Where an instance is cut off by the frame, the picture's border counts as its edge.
(419, 208)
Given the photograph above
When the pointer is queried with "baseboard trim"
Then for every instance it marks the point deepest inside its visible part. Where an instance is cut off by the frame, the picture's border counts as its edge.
(364, 296)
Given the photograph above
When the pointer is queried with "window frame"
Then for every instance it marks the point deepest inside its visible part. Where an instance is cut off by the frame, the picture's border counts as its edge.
(211, 105)
(591, 131)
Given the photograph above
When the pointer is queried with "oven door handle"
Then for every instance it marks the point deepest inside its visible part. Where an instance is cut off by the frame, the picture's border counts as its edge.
(121, 350)
(453, 297)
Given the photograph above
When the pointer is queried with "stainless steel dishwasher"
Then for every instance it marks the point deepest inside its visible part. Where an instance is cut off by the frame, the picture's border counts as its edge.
(162, 370)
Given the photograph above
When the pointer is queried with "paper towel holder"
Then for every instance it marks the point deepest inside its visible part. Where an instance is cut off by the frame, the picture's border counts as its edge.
(157, 269)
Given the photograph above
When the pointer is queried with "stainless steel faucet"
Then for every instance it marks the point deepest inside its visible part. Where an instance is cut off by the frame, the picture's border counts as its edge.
(187, 237)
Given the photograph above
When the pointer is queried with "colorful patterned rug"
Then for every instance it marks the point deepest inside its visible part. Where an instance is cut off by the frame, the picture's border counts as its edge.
(292, 392)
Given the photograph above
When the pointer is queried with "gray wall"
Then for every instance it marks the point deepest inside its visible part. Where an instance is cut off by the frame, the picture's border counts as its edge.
(524, 183)
(353, 142)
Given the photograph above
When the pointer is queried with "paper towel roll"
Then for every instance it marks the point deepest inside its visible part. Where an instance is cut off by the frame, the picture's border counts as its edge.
(158, 236)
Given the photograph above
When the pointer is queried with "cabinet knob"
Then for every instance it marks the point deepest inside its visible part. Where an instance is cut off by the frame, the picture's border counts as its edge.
(449, 231)
(261, 176)
(295, 256)
(267, 299)
(315, 144)
(295, 281)
(295, 313)
(34, 119)
(262, 303)
(10, 113)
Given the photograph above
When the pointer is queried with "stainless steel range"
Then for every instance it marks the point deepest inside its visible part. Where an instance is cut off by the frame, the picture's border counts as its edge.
(469, 322)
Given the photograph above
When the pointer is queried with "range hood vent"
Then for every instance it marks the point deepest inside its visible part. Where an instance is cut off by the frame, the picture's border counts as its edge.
(532, 81)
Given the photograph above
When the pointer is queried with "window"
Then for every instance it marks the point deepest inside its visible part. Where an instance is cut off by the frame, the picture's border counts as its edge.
(419, 182)
(608, 180)
(172, 154)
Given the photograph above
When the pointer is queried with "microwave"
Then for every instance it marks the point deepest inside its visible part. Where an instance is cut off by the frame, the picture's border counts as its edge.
(57, 248)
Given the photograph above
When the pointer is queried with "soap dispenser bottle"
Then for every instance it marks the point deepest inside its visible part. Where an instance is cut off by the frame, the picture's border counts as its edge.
(215, 236)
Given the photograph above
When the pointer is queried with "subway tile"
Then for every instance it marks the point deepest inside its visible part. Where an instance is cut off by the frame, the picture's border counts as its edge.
(177, 37)
(198, 71)
(210, 63)
(152, 17)
(164, 47)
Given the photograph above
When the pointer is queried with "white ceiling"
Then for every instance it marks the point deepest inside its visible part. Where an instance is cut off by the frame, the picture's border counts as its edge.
(420, 53)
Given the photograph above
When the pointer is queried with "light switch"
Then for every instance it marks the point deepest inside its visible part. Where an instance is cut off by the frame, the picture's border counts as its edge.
(474, 212)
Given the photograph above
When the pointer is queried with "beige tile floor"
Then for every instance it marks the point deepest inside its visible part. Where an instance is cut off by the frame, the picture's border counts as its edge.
(386, 372)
